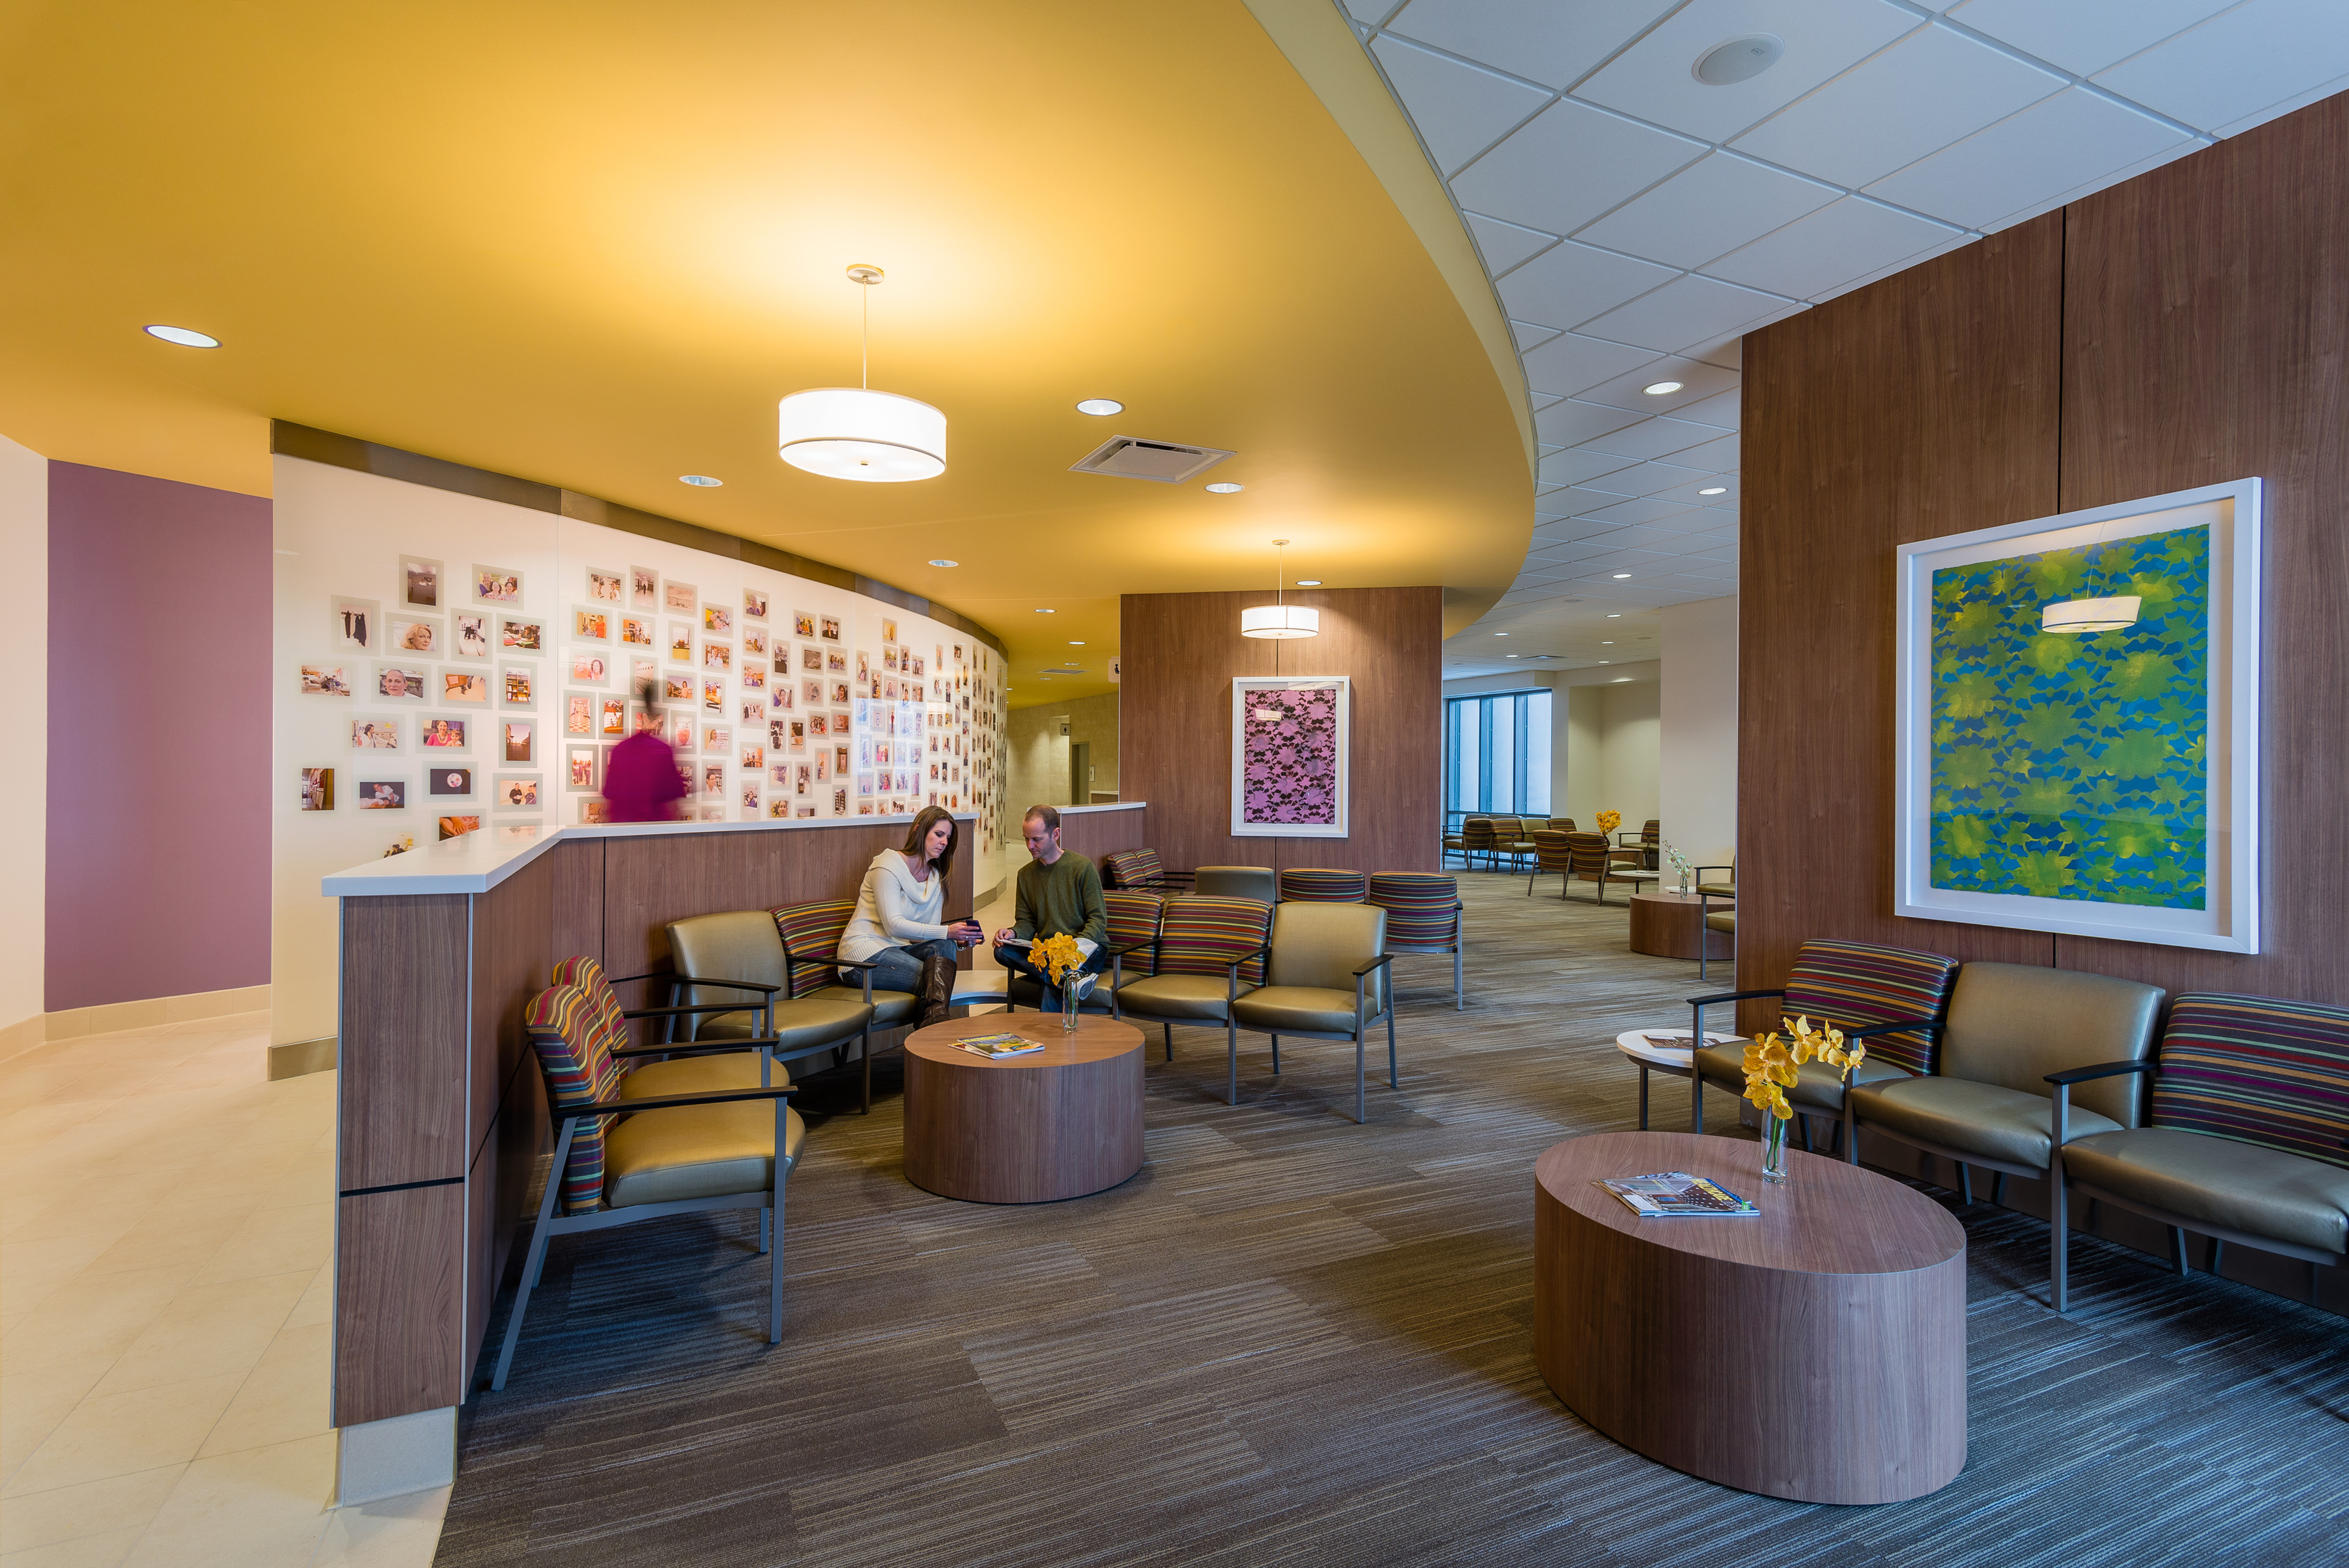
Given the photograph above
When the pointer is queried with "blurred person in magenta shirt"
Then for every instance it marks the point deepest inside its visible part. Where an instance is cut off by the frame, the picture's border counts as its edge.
(640, 782)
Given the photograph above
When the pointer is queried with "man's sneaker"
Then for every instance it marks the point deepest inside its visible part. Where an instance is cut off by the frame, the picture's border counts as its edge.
(1085, 987)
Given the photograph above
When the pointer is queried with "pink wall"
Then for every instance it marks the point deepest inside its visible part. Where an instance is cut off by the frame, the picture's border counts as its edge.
(159, 612)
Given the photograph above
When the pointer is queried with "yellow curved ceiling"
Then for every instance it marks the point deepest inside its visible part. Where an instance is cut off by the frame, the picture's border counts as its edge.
(591, 244)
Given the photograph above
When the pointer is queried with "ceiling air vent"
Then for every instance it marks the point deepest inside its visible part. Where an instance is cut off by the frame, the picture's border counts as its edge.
(1160, 461)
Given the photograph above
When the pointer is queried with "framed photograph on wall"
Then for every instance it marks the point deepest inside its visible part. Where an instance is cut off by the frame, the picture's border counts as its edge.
(497, 585)
(403, 682)
(1289, 756)
(381, 794)
(2079, 737)
(314, 789)
(582, 768)
(520, 738)
(438, 735)
(680, 642)
(518, 686)
(522, 634)
(323, 680)
(449, 783)
(589, 668)
(644, 588)
(640, 631)
(458, 827)
(754, 604)
(603, 585)
(381, 733)
(579, 713)
(514, 792)
(591, 623)
(356, 626)
(469, 686)
(469, 634)
(419, 583)
(594, 809)
(416, 634)
(680, 598)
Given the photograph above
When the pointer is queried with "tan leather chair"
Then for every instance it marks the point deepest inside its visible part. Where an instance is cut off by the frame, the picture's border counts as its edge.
(1988, 1101)
(1256, 882)
(738, 956)
(1329, 980)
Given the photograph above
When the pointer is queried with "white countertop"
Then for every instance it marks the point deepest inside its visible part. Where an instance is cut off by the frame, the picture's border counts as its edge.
(477, 862)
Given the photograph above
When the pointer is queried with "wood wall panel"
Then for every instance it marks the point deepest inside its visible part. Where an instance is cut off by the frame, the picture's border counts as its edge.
(398, 1262)
(1094, 834)
(579, 898)
(1181, 653)
(2206, 318)
(1920, 406)
(403, 1053)
(514, 959)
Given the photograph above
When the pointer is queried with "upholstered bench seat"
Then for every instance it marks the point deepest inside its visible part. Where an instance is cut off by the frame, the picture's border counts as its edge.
(1298, 1010)
(1817, 1087)
(2220, 1181)
(696, 1151)
(1179, 995)
(1973, 1119)
(697, 1076)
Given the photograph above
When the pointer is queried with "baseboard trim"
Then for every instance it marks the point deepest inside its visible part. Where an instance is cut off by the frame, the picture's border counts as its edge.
(77, 1021)
(23, 1035)
(303, 1057)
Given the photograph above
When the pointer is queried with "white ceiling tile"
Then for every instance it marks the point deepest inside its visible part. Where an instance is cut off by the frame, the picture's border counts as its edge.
(2239, 62)
(2052, 147)
(1656, 77)
(1553, 41)
(1568, 165)
(1646, 479)
(1729, 353)
(1579, 499)
(1830, 247)
(1573, 282)
(1643, 510)
(1371, 11)
(1698, 381)
(1460, 110)
(1925, 92)
(1685, 492)
(1576, 422)
(1527, 334)
(1687, 310)
(1650, 439)
(2084, 35)
(1570, 362)
(1579, 466)
(2281, 107)
(1720, 410)
(1717, 456)
(1712, 206)
(1505, 244)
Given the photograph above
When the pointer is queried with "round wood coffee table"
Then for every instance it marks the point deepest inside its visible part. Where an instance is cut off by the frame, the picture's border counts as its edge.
(1817, 1352)
(1665, 925)
(1056, 1123)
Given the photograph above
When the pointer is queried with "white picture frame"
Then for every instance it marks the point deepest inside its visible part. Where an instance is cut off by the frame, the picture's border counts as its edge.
(2227, 728)
(1255, 813)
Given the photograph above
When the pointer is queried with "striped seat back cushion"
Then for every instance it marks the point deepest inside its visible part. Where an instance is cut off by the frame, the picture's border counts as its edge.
(1855, 984)
(2257, 1070)
(1476, 833)
(1588, 855)
(1551, 851)
(1132, 918)
(1132, 868)
(1507, 830)
(612, 1030)
(566, 1032)
(811, 931)
(1422, 908)
(1203, 936)
(1306, 884)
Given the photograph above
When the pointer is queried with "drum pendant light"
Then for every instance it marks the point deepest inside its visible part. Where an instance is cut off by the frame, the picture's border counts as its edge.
(2091, 615)
(856, 432)
(1280, 619)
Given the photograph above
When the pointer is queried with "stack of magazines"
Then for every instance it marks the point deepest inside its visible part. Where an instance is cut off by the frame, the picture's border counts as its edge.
(997, 1045)
(1669, 1193)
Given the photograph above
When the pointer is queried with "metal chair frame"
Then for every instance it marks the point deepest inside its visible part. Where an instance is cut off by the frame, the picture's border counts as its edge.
(1362, 1026)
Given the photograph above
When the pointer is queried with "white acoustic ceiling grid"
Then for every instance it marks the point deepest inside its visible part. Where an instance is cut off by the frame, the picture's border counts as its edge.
(1637, 223)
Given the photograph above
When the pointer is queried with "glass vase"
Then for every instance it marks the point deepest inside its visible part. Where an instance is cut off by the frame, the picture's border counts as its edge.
(1773, 1147)
(1069, 1002)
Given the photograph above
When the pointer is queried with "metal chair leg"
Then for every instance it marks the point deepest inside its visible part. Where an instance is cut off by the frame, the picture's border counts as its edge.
(1998, 1189)
(1643, 1096)
(1232, 1051)
(1696, 1092)
(2177, 1253)
(1170, 1043)
(1276, 1055)
(864, 1051)
(1965, 1184)
(2217, 1250)
(1459, 975)
(1394, 1077)
(776, 1171)
(537, 1255)
(1361, 1105)
(2059, 1222)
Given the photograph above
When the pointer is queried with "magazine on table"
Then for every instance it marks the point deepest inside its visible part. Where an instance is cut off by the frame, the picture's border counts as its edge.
(1667, 1194)
(997, 1046)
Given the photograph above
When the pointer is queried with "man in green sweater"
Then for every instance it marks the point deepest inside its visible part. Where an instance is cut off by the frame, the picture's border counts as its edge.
(1059, 894)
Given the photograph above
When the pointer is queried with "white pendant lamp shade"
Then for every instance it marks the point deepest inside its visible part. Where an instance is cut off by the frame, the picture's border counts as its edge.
(849, 433)
(1282, 620)
(2091, 615)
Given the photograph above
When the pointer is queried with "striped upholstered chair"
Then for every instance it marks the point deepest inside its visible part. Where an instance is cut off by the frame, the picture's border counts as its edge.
(1133, 936)
(1553, 857)
(1312, 885)
(1891, 999)
(2250, 1106)
(1210, 953)
(634, 1146)
(1475, 840)
(1424, 915)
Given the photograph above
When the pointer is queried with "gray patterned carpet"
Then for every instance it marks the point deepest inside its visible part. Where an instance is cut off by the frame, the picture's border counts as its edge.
(1291, 1339)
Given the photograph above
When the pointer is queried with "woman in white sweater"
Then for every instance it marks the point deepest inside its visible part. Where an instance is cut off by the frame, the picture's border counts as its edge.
(900, 908)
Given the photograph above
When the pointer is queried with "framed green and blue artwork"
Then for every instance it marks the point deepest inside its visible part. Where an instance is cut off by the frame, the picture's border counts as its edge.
(2079, 723)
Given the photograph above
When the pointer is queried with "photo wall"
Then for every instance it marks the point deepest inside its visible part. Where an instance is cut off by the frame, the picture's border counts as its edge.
(450, 665)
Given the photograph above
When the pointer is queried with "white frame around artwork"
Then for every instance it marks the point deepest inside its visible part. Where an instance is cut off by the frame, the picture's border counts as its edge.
(1242, 685)
(2231, 922)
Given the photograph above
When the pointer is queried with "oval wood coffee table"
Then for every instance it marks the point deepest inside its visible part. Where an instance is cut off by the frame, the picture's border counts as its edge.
(1817, 1352)
(1056, 1123)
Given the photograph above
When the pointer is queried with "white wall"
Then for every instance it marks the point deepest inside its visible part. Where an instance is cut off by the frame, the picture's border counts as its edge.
(343, 532)
(1699, 741)
(24, 786)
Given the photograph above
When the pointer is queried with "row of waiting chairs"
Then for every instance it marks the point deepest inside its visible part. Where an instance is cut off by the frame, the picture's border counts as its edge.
(1496, 838)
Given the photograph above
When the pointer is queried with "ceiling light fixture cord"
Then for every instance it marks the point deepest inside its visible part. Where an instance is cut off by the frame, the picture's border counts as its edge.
(864, 344)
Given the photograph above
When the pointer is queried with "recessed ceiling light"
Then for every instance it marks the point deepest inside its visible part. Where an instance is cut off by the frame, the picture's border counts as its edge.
(1606, 661)
(1101, 406)
(1043, 612)
(1076, 642)
(1609, 643)
(1512, 655)
(1611, 615)
(1661, 389)
(1620, 679)
(1738, 59)
(1619, 576)
(1500, 633)
(1714, 490)
(1227, 488)
(185, 336)
(699, 481)
(1308, 582)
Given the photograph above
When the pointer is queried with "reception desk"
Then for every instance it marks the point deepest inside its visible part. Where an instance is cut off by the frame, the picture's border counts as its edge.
(442, 1131)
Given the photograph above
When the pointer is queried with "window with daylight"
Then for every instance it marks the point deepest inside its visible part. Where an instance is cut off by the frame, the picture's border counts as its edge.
(1496, 754)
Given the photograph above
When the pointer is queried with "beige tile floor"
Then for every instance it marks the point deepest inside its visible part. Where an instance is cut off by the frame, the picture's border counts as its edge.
(166, 1229)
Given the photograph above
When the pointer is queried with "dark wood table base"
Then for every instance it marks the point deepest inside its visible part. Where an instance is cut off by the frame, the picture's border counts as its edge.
(1057, 1123)
(1817, 1352)
(1665, 925)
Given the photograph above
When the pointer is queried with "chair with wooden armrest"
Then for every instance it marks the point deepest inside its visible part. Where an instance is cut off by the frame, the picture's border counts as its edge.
(1315, 949)
(628, 1149)
(1210, 953)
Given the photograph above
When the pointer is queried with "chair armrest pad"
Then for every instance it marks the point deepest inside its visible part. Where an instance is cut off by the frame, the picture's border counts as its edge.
(727, 984)
(1132, 948)
(2101, 1070)
(1696, 868)
(845, 963)
(1249, 958)
(1380, 962)
(1896, 1026)
(696, 1047)
(670, 1102)
(697, 1007)
(1732, 996)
